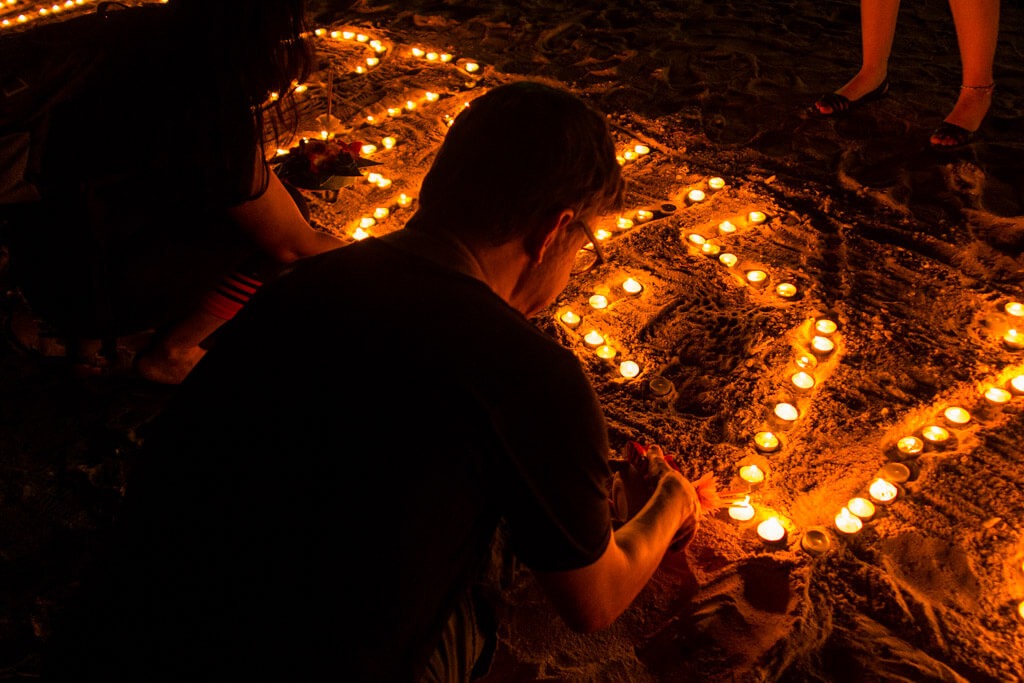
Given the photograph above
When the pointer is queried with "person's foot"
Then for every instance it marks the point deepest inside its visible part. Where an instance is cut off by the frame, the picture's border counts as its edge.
(168, 366)
(970, 110)
(862, 88)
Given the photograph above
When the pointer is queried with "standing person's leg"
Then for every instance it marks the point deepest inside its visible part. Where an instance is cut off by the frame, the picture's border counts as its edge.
(977, 31)
(877, 30)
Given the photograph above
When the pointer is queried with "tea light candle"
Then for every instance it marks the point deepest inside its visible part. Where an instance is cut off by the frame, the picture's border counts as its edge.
(571, 319)
(643, 215)
(957, 416)
(806, 361)
(895, 472)
(368, 149)
(431, 96)
(593, 339)
(381, 212)
(752, 474)
(471, 67)
(771, 530)
(815, 541)
(360, 234)
(716, 183)
(802, 380)
(696, 196)
(710, 249)
(631, 286)
(1014, 339)
(601, 234)
(629, 369)
(660, 386)
(404, 200)
(728, 260)
(997, 397)
(642, 149)
(726, 228)
(786, 412)
(599, 301)
(847, 522)
(742, 511)
(862, 508)
(624, 223)
(756, 217)
(629, 155)
(1017, 384)
(605, 351)
(367, 222)
(756, 278)
(786, 290)
(766, 442)
(882, 491)
(389, 142)
(935, 434)
(825, 327)
(696, 239)
(822, 345)
(1015, 308)
(910, 446)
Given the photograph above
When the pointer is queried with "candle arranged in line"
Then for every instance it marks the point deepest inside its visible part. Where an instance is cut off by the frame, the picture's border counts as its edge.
(863, 508)
(752, 474)
(605, 351)
(631, 286)
(756, 278)
(847, 522)
(593, 339)
(716, 183)
(766, 442)
(910, 445)
(895, 472)
(822, 345)
(726, 227)
(629, 369)
(728, 260)
(571, 319)
(786, 412)
(771, 530)
(825, 327)
(957, 415)
(996, 396)
(742, 511)
(935, 434)
(787, 290)
(882, 491)
(756, 217)
(1015, 308)
(599, 301)
(816, 541)
(1014, 339)
(802, 380)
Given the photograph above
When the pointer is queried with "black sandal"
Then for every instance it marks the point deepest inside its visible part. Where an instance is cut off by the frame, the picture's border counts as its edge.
(840, 105)
(959, 135)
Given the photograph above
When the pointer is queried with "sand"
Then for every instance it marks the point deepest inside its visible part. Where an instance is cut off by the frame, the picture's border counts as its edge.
(912, 254)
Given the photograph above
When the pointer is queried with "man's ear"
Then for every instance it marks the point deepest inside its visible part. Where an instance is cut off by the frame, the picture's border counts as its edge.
(540, 241)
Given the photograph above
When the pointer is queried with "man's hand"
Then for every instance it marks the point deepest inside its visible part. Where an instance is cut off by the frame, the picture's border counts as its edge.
(651, 463)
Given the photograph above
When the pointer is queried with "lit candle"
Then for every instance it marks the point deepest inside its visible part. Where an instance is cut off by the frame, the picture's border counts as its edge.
(394, 111)
(605, 351)
(710, 249)
(599, 301)
(847, 522)
(372, 61)
(756, 278)
(716, 183)
(1020, 610)
(825, 327)
(432, 56)
(1015, 308)
(728, 260)
(726, 227)
(404, 199)
(362, 37)
(802, 380)
(862, 508)
(822, 345)
(602, 234)
(381, 212)
(742, 511)
(756, 217)
(472, 67)
(895, 472)
(882, 491)
(957, 416)
(629, 369)
(696, 239)
(446, 57)
(1014, 339)
(752, 474)
(431, 96)
(367, 222)
(410, 105)
(815, 541)
(642, 149)
(806, 361)
(771, 530)
(368, 149)
(910, 446)
(383, 183)
(643, 215)
(571, 319)
(996, 396)
(629, 155)
(786, 290)
(935, 434)
(786, 412)
(623, 223)
(660, 386)
(696, 196)
(766, 442)
(1017, 384)
(593, 339)
(388, 142)
(631, 286)
(360, 234)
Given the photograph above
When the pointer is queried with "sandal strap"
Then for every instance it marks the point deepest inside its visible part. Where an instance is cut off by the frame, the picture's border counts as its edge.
(836, 102)
(990, 86)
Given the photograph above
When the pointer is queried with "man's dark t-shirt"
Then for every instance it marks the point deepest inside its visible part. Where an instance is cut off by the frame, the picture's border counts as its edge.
(329, 479)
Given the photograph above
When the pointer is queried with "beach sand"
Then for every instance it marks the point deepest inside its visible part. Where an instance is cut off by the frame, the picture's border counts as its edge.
(912, 254)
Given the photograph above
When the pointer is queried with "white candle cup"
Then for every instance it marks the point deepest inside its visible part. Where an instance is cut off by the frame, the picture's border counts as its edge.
(726, 227)
(847, 522)
(997, 397)
(767, 442)
(786, 290)
(715, 183)
(631, 286)
(882, 492)
(957, 416)
(605, 351)
(1017, 384)
(752, 474)
(710, 249)
(661, 387)
(643, 215)
(629, 369)
(825, 327)
(935, 435)
(570, 319)
(599, 301)
(1015, 309)
(623, 223)
(742, 511)
(815, 541)
(802, 381)
(786, 413)
(696, 196)
(771, 531)
(822, 346)
(695, 239)
(728, 260)
(593, 339)
(910, 446)
(894, 472)
(862, 508)
(756, 278)
(641, 150)
(1014, 339)
(806, 361)
(756, 217)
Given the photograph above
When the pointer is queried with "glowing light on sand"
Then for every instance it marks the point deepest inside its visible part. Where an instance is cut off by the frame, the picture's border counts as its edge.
(629, 155)
(431, 96)
(599, 301)
(384, 183)
(696, 196)
(1014, 339)
(957, 415)
(742, 511)
(696, 239)
(716, 183)
(894, 472)
(997, 397)
(367, 222)
(847, 522)
(623, 223)
(404, 200)
(756, 277)
(726, 228)
(822, 345)
(755, 217)
(771, 530)
(910, 445)
(802, 380)
(605, 351)
(862, 508)
(825, 327)
(602, 234)
(471, 67)
(882, 491)
(372, 61)
(418, 52)
(368, 149)
(360, 234)
(710, 249)
(642, 149)
(787, 290)
(299, 89)
(381, 212)
(394, 111)
(643, 215)
(935, 434)
(728, 260)
(752, 474)
(786, 412)
(631, 286)
(766, 442)
(571, 319)
(593, 339)
(1017, 384)
(629, 369)
(806, 361)
(1015, 308)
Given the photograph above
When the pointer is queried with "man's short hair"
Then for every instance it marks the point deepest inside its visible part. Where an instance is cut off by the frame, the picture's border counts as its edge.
(518, 155)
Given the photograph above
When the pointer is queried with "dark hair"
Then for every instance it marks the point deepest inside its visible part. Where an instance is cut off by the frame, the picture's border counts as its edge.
(518, 155)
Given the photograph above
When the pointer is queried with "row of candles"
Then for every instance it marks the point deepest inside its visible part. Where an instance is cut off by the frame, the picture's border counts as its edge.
(20, 16)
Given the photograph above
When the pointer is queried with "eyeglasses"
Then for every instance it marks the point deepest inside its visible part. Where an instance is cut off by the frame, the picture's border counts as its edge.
(589, 255)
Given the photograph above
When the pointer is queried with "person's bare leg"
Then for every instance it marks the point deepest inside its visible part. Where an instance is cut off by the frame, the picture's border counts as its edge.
(977, 31)
(877, 30)
(172, 355)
